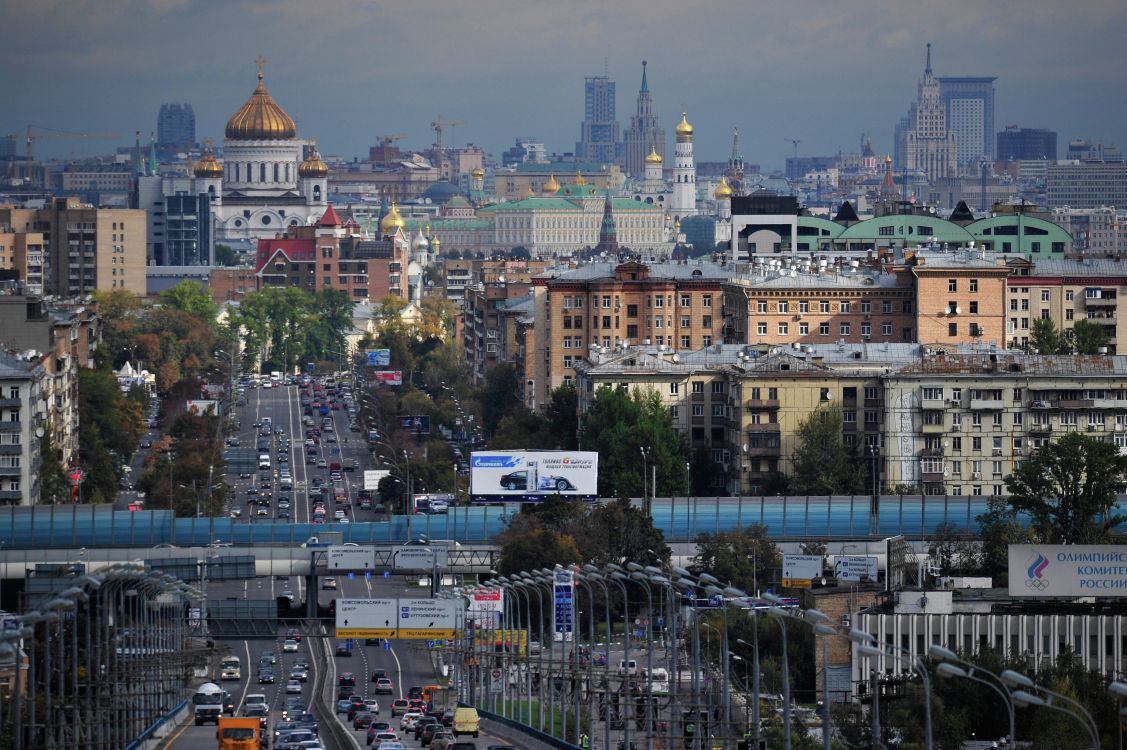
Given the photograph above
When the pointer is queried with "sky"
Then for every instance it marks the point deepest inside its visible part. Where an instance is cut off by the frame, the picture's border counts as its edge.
(819, 71)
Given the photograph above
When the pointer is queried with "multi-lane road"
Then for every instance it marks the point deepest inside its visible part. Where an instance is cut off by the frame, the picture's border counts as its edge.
(407, 663)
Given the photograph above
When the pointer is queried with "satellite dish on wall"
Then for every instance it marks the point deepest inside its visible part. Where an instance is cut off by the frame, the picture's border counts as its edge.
(40, 432)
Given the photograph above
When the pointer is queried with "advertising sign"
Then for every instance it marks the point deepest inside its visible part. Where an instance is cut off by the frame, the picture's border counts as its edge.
(388, 377)
(418, 423)
(563, 608)
(531, 475)
(202, 406)
(855, 568)
(486, 607)
(802, 567)
(372, 478)
(379, 358)
(1039, 571)
(509, 641)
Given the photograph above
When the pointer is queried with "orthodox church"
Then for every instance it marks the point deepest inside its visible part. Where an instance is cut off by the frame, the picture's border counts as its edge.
(269, 179)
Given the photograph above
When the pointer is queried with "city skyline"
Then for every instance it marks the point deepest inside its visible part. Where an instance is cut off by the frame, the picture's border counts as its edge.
(359, 69)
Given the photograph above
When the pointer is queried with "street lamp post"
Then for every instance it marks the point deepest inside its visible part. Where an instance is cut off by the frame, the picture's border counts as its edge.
(592, 574)
(1013, 679)
(867, 645)
(953, 666)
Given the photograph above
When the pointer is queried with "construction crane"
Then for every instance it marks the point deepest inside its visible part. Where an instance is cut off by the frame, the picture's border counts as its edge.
(32, 135)
(794, 142)
(438, 124)
(387, 140)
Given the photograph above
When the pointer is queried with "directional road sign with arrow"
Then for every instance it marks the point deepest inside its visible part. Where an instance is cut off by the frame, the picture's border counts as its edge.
(427, 618)
(367, 618)
(342, 557)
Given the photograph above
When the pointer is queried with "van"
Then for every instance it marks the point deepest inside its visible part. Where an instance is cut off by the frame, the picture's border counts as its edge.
(466, 721)
(263, 460)
(628, 667)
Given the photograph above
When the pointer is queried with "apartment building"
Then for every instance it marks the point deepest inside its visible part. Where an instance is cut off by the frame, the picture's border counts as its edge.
(21, 404)
(960, 297)
(488, 329)
(24, 254)
(960, 420)
(1066, 291)
(93, 248)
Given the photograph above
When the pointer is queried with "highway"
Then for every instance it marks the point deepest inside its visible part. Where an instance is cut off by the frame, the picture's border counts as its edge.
(407, 663)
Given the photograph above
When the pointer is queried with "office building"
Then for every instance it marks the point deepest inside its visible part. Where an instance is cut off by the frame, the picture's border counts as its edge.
(1020, 144)
(598, 133)
(176, 127)
(1086, 184)
(181, 225)
(1084, 150)
(644, 135)
(969, 101)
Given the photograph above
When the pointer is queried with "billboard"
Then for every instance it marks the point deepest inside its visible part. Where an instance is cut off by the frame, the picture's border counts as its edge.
(487, 607)
(532, 475)
(379, 358)
(202, 406)
(1039, 571)
(416, 423)
(388, 377)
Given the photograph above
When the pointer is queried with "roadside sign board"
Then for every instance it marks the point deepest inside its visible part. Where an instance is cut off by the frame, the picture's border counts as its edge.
(413, 557)
(802, 566)
(427, 618)
(372, 478)
(855, 567)
(796, 583)
(367, 618)
(564, 609)
(520, 476)
(342, 557)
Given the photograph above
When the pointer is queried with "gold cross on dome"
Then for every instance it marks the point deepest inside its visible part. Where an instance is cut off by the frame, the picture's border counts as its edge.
(260, 61)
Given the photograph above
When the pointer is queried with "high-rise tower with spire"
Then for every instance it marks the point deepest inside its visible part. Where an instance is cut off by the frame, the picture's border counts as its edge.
(735, 171)
(932, 148)
(684, 200)
(645, 134)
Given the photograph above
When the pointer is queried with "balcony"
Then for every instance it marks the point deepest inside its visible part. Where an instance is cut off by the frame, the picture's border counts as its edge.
(930, 477)
(932, 403)
(933, 429)
(762, 427)
(764, 450)
(933, 452)
(10, 403)
(1042, 404)
(1076, 403)
(1100, 301)
(10, 471)
(1040, 428)
(986, 404)
(11, 426)
(10, 496)
(763, 403)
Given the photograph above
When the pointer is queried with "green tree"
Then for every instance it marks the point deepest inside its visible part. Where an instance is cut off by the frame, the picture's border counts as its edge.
(539, 548)
(191, 296)
(1087, 337)
(1045, 338)
(1068, 487)
(821, 464)
(54, 484)
(704, 472)
(618, 425)
(563, 415)
(225, 256)
(746, 558)
(499, 395)
(525, 429)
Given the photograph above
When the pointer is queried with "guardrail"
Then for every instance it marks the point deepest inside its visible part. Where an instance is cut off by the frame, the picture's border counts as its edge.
(157, 731)
(326, 707)
(544, 737)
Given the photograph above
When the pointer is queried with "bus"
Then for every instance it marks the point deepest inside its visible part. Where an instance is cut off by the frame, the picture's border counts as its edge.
(230, 668)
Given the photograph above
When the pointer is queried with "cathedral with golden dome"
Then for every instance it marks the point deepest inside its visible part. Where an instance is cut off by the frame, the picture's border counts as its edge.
(269, 179)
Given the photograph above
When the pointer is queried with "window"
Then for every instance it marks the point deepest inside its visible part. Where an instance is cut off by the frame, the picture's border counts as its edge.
(846, 329)
(761, 329)
(674, 389)
(674, 412)
(718, 410)
(866, 330)
(706, 341)
(606, 301)
(996, 443)
(872, 416)
(866, 307)
(846, 306)
(631, 311)
(824, 306)
(976, 444)
(783, 329)
(886, 328)
(685, 321)
(1044, 295)
(631, 331)
(886, 307)
(952, 329)
(567, 362)
(685, 300)
(659, 322)
(761, 305)
(784, 306)
(823, 329)
(804, 306)
(706, 321)
(956, 444)
(803, 328)
(698, 410)
(698, 386)
(685, 342)
(974, 285)
(659, 301)
(872, 393)
(952, 285)
(849, 416)
(974, 308)
(718, 386)
(567, 342)
(933, 394)
(706, 300)
(1068, 295)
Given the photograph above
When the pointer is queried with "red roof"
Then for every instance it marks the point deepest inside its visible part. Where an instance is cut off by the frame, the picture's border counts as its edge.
(294, 250)
(329, 218)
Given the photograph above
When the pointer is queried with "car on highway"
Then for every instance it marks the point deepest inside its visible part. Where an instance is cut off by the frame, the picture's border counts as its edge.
(399, 707)
(372, 705)
(301, 674)
(145, 443)
(293, 686)
(378, 673)
(378, 738)
(384, 686)
(343, 705)
(428, 731)
(289, 645)
(266, 676)
(422, 723)
(407, 723)
(390, 746)
(441, 740)
(328, 583)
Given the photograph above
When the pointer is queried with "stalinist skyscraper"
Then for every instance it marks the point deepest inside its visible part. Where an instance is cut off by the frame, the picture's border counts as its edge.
(931, 147)
(644, 135)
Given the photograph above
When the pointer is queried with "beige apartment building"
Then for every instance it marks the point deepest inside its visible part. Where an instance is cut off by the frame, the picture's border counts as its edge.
(960, 297)
(1066, 291)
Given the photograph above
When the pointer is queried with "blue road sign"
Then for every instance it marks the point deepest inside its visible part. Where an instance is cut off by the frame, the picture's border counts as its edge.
(367, 574)
(387, 574)
(351, 576)
(386, 645)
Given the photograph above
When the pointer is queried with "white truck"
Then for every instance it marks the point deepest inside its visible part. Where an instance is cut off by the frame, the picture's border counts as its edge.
(207, 704)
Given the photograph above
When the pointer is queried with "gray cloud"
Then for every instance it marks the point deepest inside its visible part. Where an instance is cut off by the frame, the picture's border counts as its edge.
(348, 70)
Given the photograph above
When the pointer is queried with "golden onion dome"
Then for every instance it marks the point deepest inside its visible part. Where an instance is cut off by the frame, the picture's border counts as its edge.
(654, 157)
(208, 167)
(435, 243)
(723, 191)
(261, 119)
(684, 130)
(313, 166)
(392, 221)
(579, 178)
(888, 158)
(477, 173)
(551, 187)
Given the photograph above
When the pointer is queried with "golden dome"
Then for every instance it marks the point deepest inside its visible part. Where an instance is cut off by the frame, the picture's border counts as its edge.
(477, 173)
(208, 167)
(684, 130)
(723, 191)
(888, 158)
(654, 157)
(551, 187)
(579, 178)
(261, 119)
(313, 166)
(392, 221)
(435, 243)
(528, 193)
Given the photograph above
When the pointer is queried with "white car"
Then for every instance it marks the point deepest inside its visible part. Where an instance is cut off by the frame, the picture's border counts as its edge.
(256, 699)
(290, 645)
(407, 723)
(293, 686)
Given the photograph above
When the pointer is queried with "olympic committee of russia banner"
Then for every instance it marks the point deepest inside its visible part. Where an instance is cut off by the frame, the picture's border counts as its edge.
(1042, 571)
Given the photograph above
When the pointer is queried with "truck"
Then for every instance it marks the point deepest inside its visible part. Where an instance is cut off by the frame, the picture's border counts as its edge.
(239, 733)
(207, 703)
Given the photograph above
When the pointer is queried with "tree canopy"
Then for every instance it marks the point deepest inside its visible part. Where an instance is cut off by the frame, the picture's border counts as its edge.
(746, 558)
(822, 466)
(619, 424)
(1068, 487)
(191, 296)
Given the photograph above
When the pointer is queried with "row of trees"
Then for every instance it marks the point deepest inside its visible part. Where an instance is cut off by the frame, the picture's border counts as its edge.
(284, 327)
